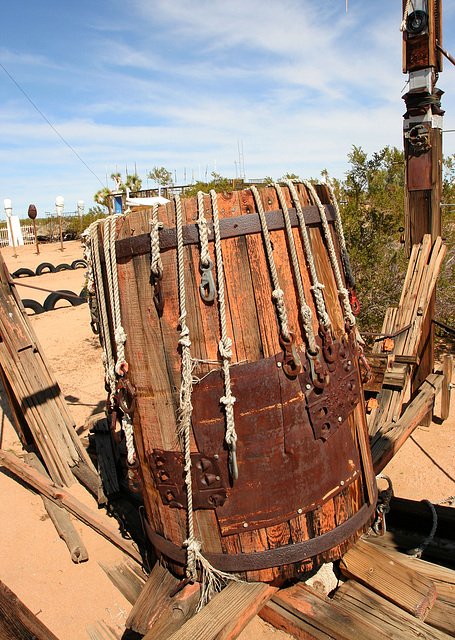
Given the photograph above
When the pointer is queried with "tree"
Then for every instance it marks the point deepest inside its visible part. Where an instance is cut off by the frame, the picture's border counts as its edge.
(103, 198)
(161, 176)
(372, 207)
(133, 182)
(218, 183)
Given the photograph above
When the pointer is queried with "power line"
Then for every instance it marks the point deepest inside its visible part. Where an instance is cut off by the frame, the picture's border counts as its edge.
(51, 125)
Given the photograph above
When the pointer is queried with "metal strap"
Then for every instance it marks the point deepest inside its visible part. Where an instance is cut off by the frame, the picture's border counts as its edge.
(234, 562)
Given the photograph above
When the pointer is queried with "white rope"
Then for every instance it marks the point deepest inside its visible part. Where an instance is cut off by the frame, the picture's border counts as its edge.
(277, 293)
(107, 356)
(342, 291)
(127, 426)
(316, 286)
(225, 344)
(305, 311)
(155, 226)
(203, 230)
(212, 579)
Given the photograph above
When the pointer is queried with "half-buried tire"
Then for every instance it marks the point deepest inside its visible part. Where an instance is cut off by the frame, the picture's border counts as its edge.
(22, 272)
(78, 264)
(33, 305)
(62, 294)
(63, 267)
(45, 267)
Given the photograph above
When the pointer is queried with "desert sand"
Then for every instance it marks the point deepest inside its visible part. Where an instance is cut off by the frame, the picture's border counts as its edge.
(35, 564)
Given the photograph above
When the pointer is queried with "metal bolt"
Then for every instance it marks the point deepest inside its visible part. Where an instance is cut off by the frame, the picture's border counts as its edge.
(279, 364)
(216, 456)
(342, 483)
(299, 510)
(218, 477)
(245, 524)
(349, 363)
(340, 418)
(308, 386)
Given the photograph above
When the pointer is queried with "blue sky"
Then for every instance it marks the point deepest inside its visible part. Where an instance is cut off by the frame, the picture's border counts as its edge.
(178, 84)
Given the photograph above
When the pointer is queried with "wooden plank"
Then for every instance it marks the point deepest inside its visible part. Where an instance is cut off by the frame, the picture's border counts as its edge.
(17, 622)
(226, 615)
(281, 618)
(125, 579)
(406, 588)
(390, 438)
(321, 614)
(152, 601)
(181, 608)
(397, 624)
(446, 386)
(63, 498)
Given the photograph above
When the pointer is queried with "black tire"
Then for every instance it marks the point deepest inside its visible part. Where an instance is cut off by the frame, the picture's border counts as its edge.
(63, 267)
(84, 294)
(78, 264)
(45, 267)
(33, 305)
(23, 272)
(62, 294)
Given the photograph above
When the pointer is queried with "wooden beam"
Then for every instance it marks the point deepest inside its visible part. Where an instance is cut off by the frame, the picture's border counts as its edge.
(391, 436)
(401, 585)
(17, 622)
(226, 615)
(446, 386)
(63, 498)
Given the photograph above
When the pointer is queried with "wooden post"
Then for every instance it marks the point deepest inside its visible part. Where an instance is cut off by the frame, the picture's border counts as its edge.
(422, 128)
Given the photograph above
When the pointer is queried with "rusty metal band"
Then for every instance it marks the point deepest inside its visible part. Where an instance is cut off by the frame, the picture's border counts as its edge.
(229, 228)
(288, 554)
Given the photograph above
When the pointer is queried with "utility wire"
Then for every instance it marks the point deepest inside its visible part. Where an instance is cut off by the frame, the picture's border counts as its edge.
(51, 125)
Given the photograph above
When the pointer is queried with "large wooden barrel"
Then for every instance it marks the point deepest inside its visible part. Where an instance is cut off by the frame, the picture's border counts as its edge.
(305, 488)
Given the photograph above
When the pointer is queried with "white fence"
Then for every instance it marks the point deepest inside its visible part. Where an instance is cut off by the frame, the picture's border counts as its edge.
(27, 235)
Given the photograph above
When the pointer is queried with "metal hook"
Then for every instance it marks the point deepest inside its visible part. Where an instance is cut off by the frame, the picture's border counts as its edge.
(291, 361)
(318, 377)
(158, 295)
(207, 286)
(233, 469)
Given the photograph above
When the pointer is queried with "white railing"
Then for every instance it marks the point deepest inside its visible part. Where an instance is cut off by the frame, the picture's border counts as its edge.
(27, 235)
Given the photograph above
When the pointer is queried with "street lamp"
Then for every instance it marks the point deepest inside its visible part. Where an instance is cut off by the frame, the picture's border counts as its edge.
(80, 209)
(59, 204)
(9, 210)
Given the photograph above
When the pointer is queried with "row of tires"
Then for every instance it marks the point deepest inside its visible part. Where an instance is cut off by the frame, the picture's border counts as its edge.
(47, 267)
(53, 298)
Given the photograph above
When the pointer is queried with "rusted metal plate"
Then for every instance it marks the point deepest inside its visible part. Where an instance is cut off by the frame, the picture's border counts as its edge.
(168, 471)
(283, 469)
(419, 172)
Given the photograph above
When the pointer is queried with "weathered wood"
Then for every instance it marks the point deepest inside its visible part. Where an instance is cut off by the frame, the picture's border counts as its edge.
(154, 598)
(60, 518)
(446, 386)
(322, 617)
(63, 498)
(107, 456)
(226, 615)
(390, 438)
(377, 612)
(127, 581)
(182, 607)
(17, 622)
(406, 588)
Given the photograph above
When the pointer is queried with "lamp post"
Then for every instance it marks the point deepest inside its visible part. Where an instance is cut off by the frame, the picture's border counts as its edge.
(80, 209)
(32, 213)
(9, 210)
(59, 204)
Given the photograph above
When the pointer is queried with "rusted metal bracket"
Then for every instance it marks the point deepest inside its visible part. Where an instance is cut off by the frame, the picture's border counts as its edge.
(168, 470)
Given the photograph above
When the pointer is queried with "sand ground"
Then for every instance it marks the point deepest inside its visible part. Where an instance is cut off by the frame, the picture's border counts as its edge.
(34, 562)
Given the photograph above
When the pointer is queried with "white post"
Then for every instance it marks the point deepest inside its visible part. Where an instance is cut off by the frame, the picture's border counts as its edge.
(59, 204)
(9, 210)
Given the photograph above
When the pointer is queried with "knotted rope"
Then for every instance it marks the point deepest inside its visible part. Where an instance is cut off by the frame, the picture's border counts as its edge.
(225, 344)
(277, 293)
(341, 239)
(203, 231)
(212, 579)
(316, 286)
(405, 15)
(155, 226)
(305, 311)
(342, 291)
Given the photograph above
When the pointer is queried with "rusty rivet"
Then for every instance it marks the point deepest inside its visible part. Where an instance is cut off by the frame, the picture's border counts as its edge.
(245, 524)
(349, 363)
(308, 386)
(342, 483)
(299, 510)
(216, 456)
(279, 364)
(340, 418)
(217, 478)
